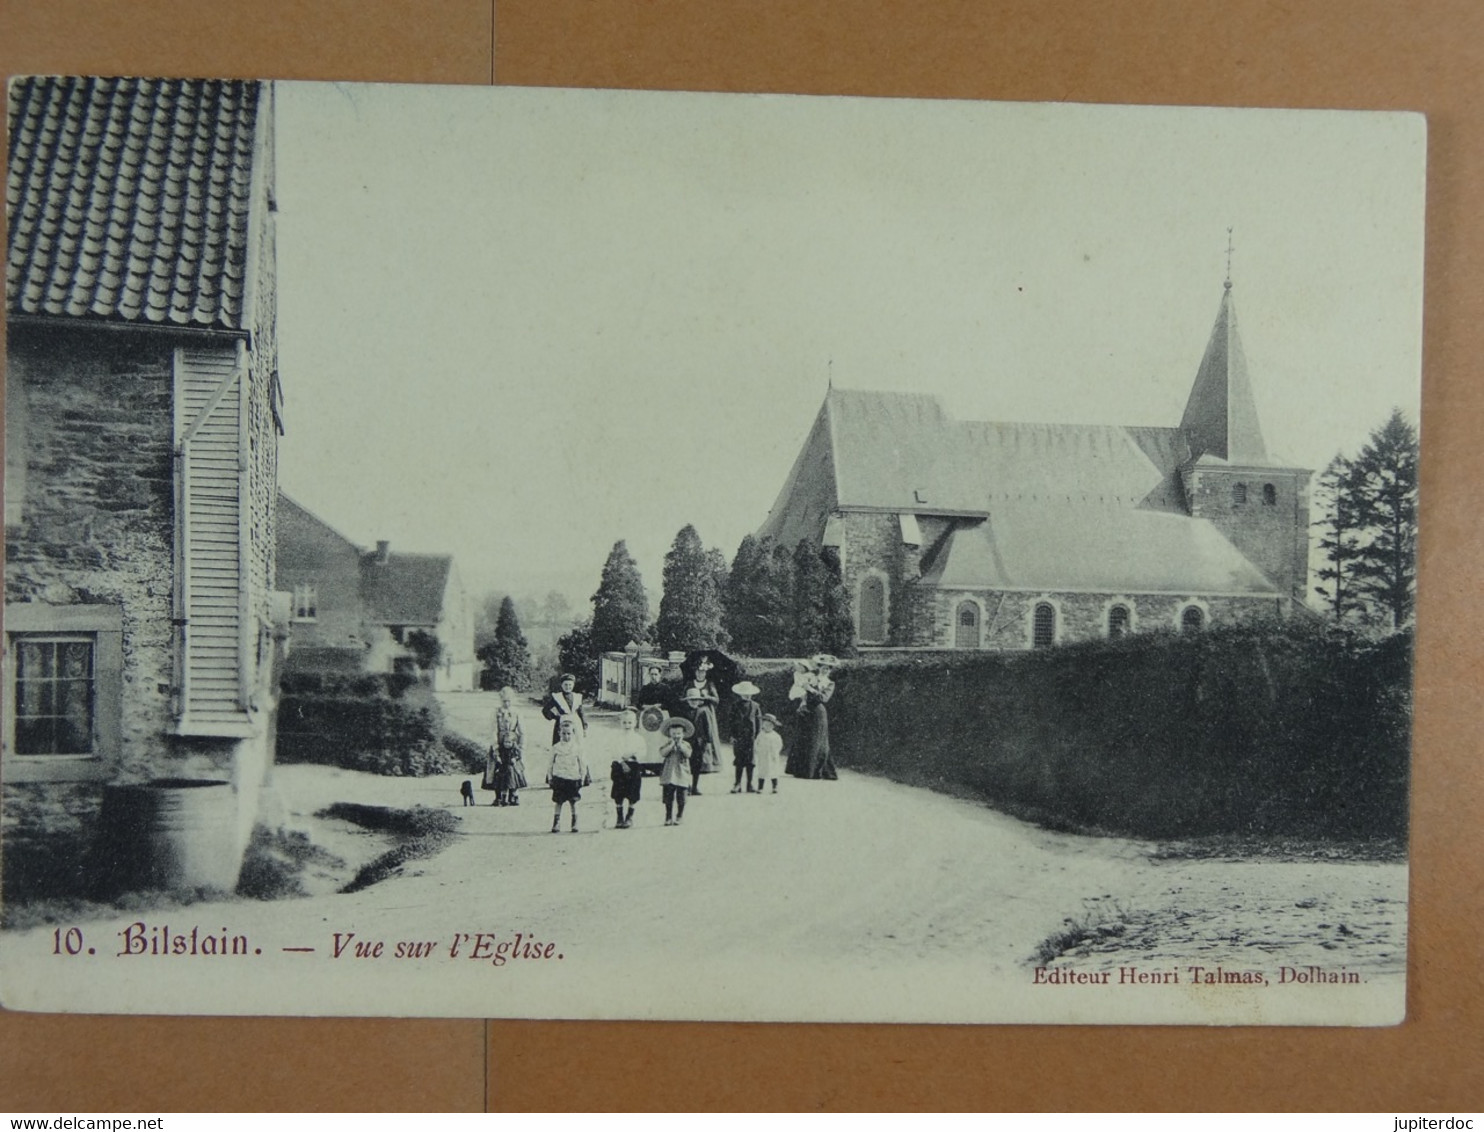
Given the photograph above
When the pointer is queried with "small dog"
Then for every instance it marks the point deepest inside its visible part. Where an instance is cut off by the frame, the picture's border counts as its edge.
(467, 790)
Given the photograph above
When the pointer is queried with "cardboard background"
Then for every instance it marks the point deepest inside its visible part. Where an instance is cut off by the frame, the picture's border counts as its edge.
(1423, 55)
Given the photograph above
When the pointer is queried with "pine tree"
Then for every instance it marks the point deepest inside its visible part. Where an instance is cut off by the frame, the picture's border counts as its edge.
(620, 607)
(811, 582)
(690, 606)
(507, 658)
(740, 598)
(838, 621)
(775, 605)
(1385, 500)
(1339, 539)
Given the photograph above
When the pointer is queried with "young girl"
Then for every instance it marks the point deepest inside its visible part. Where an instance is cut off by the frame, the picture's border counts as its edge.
(510, 774)
(746, 721)
(568, 774)
(628, 778)
(675, 774)
(767, 751)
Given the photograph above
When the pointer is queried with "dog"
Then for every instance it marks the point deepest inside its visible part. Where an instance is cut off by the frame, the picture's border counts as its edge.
(467, 791)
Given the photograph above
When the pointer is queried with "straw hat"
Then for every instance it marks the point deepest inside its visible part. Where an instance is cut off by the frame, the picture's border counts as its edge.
(769, 717)
(746, 688)
(675, 721)
(825, 660)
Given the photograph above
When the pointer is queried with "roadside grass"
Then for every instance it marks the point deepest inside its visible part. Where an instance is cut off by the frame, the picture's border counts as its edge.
(1247, 847)
(420, 832)
(1102, 919)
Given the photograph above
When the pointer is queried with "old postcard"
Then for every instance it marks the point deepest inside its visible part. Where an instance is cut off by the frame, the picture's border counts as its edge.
(595, 554)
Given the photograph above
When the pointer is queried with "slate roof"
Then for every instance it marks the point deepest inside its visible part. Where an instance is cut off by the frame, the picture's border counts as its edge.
(1221, 416)
(128, 199)
(405, 589)
(1082, 547)
(901, 451)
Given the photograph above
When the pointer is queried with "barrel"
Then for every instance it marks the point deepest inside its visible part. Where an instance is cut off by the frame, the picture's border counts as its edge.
(171, 833)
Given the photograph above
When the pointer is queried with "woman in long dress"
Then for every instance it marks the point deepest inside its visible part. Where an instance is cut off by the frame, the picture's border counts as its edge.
(817, 762)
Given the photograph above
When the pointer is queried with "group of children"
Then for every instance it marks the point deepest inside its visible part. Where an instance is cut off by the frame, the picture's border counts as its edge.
(757, 750)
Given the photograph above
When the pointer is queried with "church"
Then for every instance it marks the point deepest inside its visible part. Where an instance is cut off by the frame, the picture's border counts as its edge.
(999, 535)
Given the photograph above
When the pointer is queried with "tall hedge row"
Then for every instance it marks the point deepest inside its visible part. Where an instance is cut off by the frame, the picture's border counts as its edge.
(1294, 732)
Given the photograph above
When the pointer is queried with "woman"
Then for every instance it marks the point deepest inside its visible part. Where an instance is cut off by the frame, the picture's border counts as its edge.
(815, 722)
(566, 703)
(510, 769)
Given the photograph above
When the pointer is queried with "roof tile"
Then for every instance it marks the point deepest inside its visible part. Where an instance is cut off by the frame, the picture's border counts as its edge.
(118, 188)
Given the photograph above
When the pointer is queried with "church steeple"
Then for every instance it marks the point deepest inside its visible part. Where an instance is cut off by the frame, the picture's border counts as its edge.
(1220, 417)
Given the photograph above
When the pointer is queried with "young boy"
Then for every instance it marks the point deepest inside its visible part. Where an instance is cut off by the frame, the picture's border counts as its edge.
(767, 752)
(747, 720)
(675, 774)
(627, 777)
(567, 775)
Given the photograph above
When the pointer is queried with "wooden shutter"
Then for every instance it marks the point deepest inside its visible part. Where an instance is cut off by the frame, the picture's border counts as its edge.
(210, 577)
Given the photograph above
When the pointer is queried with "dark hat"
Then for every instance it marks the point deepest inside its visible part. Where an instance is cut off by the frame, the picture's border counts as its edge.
(565, 676)
(675, 721)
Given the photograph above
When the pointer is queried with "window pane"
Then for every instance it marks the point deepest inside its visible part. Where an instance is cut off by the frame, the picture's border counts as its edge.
(54, 697)
(76, 659)
(1044, 634)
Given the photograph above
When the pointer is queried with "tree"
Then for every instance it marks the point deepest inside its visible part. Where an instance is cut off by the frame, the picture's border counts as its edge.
(506, 658)
(811, 580)
(837, 629)
(759, 599)
(1339, 539)
(487, 621)
(556, 610)
(620, 607)
(690, 606)
(575, 655)
(426, 649)
(1384, 492)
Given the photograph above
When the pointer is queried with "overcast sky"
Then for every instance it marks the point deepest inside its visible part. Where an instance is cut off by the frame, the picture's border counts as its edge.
(519, 324)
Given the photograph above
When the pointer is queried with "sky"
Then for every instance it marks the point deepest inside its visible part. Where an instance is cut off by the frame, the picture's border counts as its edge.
(517, 325)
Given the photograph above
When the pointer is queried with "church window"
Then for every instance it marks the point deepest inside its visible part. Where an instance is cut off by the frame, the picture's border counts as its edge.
(1192, 619)
(1269, 495)
(1239, 494)
(1043, 625)
(1118, 621)
(966, 627)
(873, 610)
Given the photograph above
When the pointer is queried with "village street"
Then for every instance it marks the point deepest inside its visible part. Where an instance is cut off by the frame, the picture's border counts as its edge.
(866, 875)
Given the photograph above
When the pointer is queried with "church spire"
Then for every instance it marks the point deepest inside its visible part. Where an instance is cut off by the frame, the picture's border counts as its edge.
(1221, 417)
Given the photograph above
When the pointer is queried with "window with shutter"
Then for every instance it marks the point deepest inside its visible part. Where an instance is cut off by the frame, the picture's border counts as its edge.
(210, 579)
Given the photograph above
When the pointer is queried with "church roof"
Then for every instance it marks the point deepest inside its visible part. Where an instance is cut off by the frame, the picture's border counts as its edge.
(129, 199)
(1221, 416)
(1082, 547)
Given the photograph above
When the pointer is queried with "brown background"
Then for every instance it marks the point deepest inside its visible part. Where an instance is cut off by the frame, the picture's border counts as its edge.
(1423, 55)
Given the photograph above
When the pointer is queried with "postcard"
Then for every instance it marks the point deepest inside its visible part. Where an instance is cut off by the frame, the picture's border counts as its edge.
(594, 554)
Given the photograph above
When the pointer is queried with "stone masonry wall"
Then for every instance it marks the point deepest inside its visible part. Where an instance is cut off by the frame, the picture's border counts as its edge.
(1274, 537)
(96, 519)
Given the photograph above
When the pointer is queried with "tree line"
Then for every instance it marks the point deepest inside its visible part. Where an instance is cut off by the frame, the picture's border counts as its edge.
(1367, 525)
(771, 600)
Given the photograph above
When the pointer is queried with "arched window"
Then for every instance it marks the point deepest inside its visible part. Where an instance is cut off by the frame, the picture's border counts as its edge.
(966, 626)
(1118, 621)
(1192, 619)
(1043, 625)
(1269, 495)
(873, 610)
(1239, 494)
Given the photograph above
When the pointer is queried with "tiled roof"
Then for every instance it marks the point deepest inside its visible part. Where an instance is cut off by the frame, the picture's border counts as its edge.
(405, 589)
(1083, 547)
(128, 199)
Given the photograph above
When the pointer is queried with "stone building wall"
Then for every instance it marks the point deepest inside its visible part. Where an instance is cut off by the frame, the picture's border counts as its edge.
(1274, 536)
(95, 522)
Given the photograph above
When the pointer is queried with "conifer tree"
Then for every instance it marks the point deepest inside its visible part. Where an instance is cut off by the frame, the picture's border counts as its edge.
(811, 582)
(620, 607)
(740, 599)
(690, 606)
(507, 658)
(1384, 492)
(837, 631)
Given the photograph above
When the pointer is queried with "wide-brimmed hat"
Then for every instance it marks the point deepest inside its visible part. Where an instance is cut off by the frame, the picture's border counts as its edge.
(769, 717)
(694, 693)
(825, 660)
(675, 721)
(746, 688)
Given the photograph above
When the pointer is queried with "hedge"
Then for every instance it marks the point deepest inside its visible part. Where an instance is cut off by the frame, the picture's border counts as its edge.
(1291, 731)
(383, 725)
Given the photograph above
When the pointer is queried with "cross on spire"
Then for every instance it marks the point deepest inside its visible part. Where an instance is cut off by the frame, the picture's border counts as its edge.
(1228, 283)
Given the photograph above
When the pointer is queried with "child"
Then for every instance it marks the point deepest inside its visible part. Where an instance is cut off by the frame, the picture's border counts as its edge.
(627, 777)
(768, 752)
(510, 773)
(568, 774)
(746, 722)
(675, 774)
